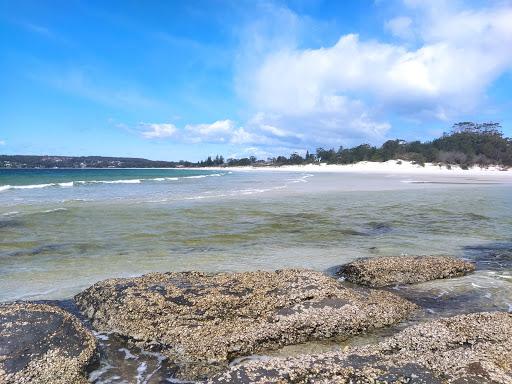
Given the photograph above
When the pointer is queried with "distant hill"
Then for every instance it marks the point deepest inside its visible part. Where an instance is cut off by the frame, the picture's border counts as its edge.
(22, 161)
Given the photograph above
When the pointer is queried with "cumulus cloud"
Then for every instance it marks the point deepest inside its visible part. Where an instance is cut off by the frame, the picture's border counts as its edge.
(254, 151)
(449, 72)
(243, 136)
(349, 90)
(438, 67)
(400, 27)
(157, 131)
(220, 131)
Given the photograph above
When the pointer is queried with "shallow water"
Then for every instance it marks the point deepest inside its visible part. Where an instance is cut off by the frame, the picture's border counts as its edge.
(69, 229)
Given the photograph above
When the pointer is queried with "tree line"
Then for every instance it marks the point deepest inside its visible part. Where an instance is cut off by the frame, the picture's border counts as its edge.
(467, 144)
(33, 161)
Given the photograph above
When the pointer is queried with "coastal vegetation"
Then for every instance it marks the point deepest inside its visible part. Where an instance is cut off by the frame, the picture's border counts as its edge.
(24, 161)
(467, 144)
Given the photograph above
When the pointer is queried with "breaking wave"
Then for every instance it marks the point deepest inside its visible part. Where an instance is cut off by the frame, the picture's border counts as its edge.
(76, 183)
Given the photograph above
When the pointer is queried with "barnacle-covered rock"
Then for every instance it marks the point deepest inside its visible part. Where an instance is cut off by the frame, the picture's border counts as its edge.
(40, 343)
(469, 349)
(392, 270)
(201, 321)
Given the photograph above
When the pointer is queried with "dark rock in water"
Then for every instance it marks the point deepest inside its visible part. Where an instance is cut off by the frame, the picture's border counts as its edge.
(377, 228)
(472, 348)
(201, 321)
(384, 271)
(43, 344)
(371, 229)
(41, 250)
(494, 257)
(6, 224)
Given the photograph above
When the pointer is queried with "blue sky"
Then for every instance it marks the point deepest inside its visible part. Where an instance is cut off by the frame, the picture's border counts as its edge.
(182, 80)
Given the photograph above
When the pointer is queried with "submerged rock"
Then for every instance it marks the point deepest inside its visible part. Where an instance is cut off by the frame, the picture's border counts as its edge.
(201, 321)
(473, 348)
(384, 271)
(40, 343)
(494, 256)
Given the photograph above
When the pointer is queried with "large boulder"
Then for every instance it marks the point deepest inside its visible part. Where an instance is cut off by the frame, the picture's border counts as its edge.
(393, 270)
(201, 321)
(469, 349)
(40, 343)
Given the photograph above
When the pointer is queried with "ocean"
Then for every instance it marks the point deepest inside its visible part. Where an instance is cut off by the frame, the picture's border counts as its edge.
(62, 230)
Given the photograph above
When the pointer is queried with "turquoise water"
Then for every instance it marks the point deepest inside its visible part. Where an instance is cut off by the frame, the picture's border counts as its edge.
(47, 178)
(56, 240)
(66, 229)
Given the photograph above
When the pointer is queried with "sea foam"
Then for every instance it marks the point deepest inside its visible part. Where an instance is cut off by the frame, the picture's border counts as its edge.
(32, 186)
(69, 184)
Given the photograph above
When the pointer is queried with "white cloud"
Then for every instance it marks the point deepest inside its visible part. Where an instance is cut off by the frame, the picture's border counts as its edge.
(273, 130)
(2, 142)
(348, 91)
(400, 27)
(220, 131)
(244, 136)
(438, 69)
(157, 131)
(253, 151)
(449, 73)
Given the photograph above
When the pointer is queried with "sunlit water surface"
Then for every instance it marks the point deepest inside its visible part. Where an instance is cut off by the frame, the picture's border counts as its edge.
(63, 230)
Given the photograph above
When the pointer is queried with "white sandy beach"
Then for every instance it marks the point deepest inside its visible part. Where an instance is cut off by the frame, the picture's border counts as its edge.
(388, 167)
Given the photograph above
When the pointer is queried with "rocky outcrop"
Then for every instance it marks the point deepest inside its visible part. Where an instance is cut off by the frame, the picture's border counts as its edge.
(384, 271)
(202, 321)
(42, 344)
(471, 349)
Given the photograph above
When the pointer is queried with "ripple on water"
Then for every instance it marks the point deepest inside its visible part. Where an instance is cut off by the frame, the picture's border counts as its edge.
(376, 228)
(39, 250)
(481, 291)
(8, 223)
(494, 256)
(121, 362)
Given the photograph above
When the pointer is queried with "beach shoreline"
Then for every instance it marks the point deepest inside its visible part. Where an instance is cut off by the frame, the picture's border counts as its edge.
(369, 167)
